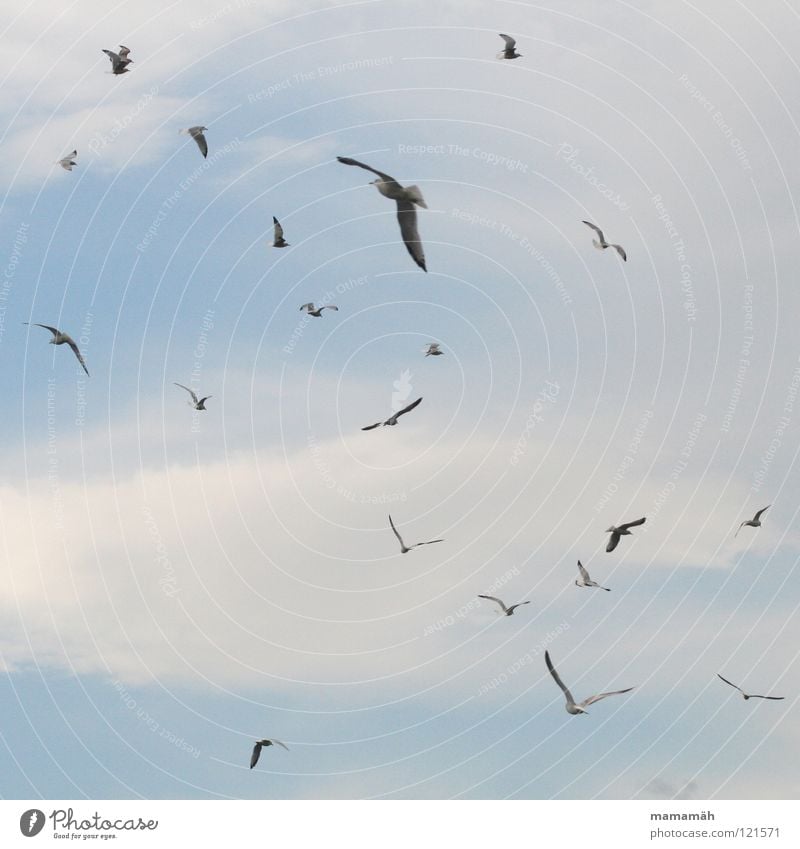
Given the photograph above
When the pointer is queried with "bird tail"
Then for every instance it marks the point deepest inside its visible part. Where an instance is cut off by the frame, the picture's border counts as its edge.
(415, 195)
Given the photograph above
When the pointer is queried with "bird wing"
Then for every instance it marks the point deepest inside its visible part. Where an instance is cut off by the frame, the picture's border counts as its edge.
(407, 218)
(515, 606)
(621, 252)
(278, 229)
(430, 542)
(597, 230)
(510, 42)
(198, 136)
(738, 529)
(556, 678)
(612, 543)
(256, 755)
(408, 408)
(400, 539)
(124, 52)
(730, 683)
(372, 427)
(194, 397)
(632, 524)
(763, 510)
(584, 573)
(71, 343)
(592, 699)
(492, 598)
(345, 160)
(773, 698)
(278, 743)
(331, 307)
(53, 330)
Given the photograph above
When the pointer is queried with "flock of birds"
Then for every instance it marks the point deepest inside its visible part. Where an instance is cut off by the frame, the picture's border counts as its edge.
(407, 199)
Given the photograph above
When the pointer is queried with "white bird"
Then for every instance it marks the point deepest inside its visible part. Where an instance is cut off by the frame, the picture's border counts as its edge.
(68, 161)
(392, 420)
(572, 706)
(404, 549)
(198, 404)
(259, 745)
(60, 338)
(433, 350)
(119, 61)
(278, 241)
(508, 611)
(586, 581)
(620, 531)
(406, 197)
(317, 311)
(197, 134)
(751, 695)
(509, 52)
(755, 522)
(602, 244)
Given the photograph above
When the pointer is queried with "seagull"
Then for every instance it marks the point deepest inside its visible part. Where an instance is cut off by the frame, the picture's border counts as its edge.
(404, 549)
(317, 311)
(259, 745)
(510, 51)
(60, 338)
(751, 695)
(278, 241)
(197, 134)
(406, 197)
(586, 581)
(68, 161)
(119, 61)
(573, 707)
(508, 611)
(433, 350)
(392, 420)
(198, 404)
(620, 531)
(755, 522)
(602, 244)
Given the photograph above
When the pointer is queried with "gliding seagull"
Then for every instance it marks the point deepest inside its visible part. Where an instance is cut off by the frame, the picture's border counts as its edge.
(404, 549)
(406, 197)
(197, 404)
(751, 695)
(68, 161)
(622, 530)
(602, 244)
(259, 745)
(755, 522)
(317, 311)
(392, 420)
(197, 134)
(509, 52)
(433, 350)
(573, 707)
(278, 241)
(508, 611)
(586, 581)
(60, 338)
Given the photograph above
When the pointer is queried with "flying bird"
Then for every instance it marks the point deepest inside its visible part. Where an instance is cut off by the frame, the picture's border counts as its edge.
(392, 420)
(433, 350)
(259, 745)
(317, 311)
(755, 522)
(68, 161)
(119, 61)
(586, 581)
(198, 404)
(404, 549)
(508, 611)
(751, 695)
(197, 134)
(60, 338)
(406, 197)
(620, 531)
(278, 241)
(601, 244)
(510, 49)
(573, 707)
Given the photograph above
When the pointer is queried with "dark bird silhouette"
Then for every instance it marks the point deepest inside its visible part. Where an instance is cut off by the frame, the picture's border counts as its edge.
(197, 134)
(751, 695)
(510, 49)
(755, 522)
(60, 338)
(601, 244)
(259, 745)
(621, 531)
(198, 404)
(119, 61)
(392, 420)
(572, 706)
(404, 549)
(508, 611)
(278, 240)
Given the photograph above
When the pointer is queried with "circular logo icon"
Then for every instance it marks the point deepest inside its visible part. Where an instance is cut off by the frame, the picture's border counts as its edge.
(31, 822)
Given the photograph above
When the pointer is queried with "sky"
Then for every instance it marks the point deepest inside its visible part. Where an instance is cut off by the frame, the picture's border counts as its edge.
(176, 584)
